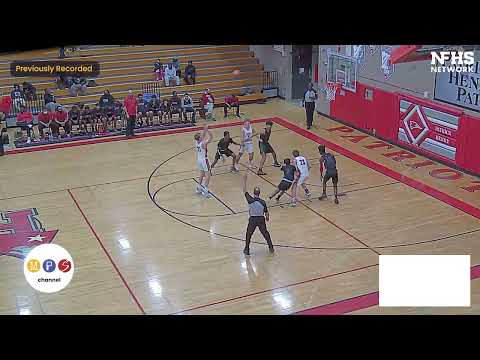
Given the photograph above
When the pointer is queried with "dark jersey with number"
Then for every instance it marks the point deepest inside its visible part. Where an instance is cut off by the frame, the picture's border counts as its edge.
(288, 172)
(330, 163)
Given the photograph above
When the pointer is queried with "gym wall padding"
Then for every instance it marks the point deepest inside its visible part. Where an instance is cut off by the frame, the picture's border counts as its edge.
(380, 112)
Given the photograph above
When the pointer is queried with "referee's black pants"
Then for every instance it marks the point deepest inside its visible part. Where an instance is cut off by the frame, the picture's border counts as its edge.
(309, 110)
(253, 223)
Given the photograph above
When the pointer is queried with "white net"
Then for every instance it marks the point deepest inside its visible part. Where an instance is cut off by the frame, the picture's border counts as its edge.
(330, 91)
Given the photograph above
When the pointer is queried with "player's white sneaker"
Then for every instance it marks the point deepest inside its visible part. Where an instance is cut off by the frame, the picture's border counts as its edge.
(223, 159)
(308, 194)
(293, 204)
(207, 194)
(199, 190)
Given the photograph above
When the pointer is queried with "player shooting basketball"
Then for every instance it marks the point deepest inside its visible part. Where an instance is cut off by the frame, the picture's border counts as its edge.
(201, 143)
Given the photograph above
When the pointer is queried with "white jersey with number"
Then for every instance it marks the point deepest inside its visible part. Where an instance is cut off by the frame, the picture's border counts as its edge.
(247, 134)
(302, 165)
(247, 140)
(202, 162)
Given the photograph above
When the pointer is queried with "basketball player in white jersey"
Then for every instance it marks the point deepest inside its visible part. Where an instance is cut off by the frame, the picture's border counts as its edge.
(246, 145)
(301, 175)
(201, 143)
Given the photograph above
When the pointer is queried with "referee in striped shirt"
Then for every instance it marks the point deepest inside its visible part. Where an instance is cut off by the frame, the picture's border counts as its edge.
(309, 98)
(258, 211)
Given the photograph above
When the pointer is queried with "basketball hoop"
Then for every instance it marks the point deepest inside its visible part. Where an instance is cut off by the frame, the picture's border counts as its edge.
(331, 91)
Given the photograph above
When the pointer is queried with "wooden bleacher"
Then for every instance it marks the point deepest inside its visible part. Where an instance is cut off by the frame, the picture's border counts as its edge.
(124, 68)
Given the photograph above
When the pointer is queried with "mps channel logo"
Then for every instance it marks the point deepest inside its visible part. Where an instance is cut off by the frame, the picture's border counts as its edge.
(48, 268)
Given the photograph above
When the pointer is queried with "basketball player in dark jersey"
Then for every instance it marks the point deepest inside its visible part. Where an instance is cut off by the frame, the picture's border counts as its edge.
(328, 161)
(287, 181)
(223, 150)
(266, 148)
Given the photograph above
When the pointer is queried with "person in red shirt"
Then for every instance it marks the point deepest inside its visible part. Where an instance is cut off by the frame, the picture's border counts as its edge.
(231, 101)
(130, 105)
(60, 119)
(6, 105)
(25, 122)
(208, 101)
(44, 120)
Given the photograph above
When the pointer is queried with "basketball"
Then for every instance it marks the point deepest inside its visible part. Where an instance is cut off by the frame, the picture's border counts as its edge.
(236, 72)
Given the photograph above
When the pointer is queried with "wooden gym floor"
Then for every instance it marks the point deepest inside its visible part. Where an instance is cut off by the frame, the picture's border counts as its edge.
(144, 243)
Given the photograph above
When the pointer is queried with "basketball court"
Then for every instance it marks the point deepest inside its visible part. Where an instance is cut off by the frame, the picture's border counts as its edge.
(144, 243)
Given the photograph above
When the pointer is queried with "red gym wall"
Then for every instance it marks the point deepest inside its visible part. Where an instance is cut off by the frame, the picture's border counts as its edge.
(423, 126)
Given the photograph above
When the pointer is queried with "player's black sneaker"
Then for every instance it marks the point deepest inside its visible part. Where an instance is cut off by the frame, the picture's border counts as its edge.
(271, 249)
(336, 201)
(246, 252)
(323, 197)
(277, 164)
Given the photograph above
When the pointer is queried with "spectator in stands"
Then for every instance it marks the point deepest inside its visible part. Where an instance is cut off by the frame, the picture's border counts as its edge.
(231, 101)
(64, 82)
(85, 118)
(74, 116)
(176, 65)
(207, 102)
(170, 74)
(190, 74)
(5, 108)
(25, 122)
(187, 106)
(29, 91)
(79, 85)
(176, 106)
(158, 70)
(3, 139)
(130, 105)
(106, 100)
(97, 114)
(154, 107)
(18, 97)
(119, 115)
(165, 110)
(141, 110)
(61, 52)
(60, 119)
(44, 120)
(49, 100)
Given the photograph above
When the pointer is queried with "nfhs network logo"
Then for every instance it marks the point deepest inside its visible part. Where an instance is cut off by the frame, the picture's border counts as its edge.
(48, 268)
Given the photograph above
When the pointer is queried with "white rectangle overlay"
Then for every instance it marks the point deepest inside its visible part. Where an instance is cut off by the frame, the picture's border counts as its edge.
(424, 280)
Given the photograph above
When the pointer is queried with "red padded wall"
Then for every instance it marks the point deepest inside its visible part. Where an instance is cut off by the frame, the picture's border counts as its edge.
(468, 144)
(382, 113)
